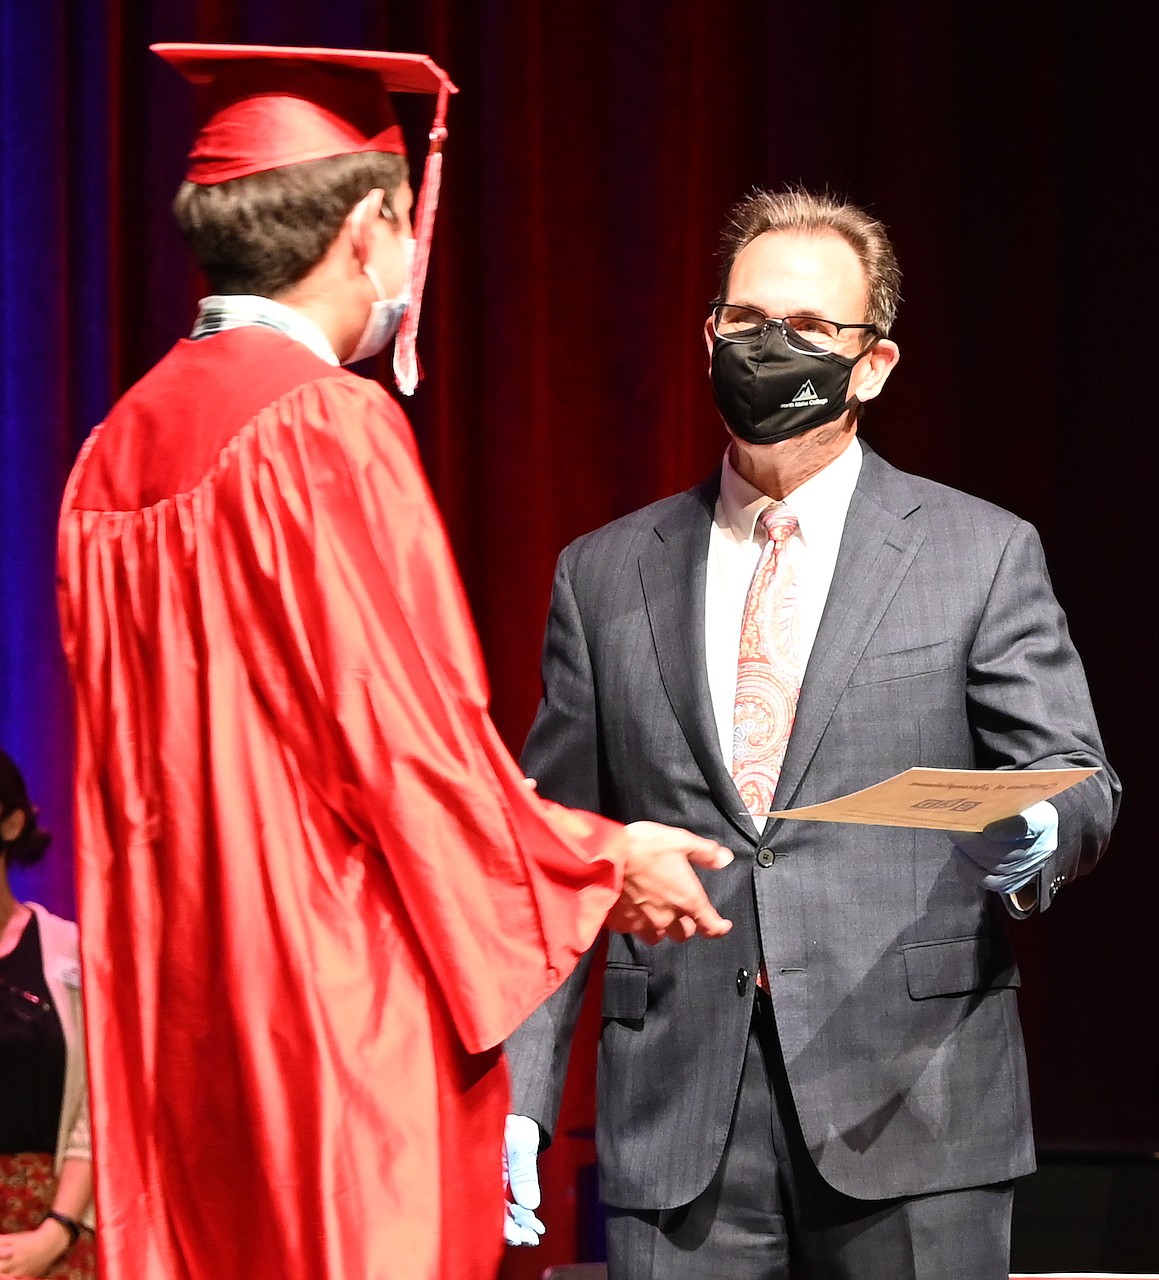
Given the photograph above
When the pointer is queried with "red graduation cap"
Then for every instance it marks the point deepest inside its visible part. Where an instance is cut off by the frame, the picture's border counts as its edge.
(266, 106)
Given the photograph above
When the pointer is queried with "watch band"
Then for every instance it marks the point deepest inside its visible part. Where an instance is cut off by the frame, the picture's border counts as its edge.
(71, 1225)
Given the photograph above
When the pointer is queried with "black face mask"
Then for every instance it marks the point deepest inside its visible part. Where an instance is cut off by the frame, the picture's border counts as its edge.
(768, 390)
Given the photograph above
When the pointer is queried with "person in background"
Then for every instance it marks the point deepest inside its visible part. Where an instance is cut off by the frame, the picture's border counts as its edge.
(46, 1184)
(315, 891)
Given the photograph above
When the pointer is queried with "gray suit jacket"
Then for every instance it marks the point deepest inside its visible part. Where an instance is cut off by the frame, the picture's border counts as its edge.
(892, 974)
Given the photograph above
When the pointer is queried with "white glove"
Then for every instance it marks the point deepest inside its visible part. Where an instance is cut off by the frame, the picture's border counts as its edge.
(521, 1180)
(1008, 853)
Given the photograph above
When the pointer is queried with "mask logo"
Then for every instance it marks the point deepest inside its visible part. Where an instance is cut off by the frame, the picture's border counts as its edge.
(806, 396)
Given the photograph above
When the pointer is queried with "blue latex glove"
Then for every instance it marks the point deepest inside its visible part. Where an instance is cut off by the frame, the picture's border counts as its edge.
(1010, 851)
(521, 1180)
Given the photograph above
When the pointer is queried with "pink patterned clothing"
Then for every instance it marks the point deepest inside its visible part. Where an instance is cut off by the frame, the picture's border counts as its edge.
(27, 1188)
(768, 668)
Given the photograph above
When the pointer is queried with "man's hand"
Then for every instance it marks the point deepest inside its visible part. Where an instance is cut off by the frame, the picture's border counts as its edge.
(662, 898)
(521, 1180)
(1008, 852)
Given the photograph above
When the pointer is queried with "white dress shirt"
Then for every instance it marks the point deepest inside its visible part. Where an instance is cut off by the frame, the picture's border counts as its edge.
(734, 547)
(219, 312)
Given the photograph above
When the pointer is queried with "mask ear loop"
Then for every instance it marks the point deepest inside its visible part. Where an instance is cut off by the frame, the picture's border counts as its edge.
(853, 402)
(368, 208)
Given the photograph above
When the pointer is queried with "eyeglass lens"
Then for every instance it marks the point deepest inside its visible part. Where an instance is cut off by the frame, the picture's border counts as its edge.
(746, 324)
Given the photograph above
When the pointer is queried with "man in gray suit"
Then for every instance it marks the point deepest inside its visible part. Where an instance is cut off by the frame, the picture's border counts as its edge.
(839, 1086)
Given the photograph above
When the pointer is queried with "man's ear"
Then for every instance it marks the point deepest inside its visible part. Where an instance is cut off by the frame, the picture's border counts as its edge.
(12, 824)
(360, 219)
(879, 363)
(709, 337)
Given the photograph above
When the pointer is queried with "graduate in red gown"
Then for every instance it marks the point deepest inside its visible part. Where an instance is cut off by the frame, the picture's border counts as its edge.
(315, 893)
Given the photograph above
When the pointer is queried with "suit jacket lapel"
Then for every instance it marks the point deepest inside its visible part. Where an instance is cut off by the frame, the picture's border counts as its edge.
(672, 575)
(877, 549)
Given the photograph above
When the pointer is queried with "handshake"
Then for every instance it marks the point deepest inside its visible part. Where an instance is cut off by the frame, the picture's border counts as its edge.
(661, 896)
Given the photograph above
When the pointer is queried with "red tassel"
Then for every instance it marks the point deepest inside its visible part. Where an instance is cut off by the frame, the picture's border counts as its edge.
(406, 366)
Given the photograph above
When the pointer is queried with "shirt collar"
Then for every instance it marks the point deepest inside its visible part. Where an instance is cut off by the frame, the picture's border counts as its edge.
(820, 504)
(231, 311)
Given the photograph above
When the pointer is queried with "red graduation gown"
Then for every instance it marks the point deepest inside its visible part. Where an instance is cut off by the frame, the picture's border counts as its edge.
(315, 894)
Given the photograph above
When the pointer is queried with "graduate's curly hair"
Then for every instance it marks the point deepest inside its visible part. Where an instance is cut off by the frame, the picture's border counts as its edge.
(29, 844)
(798, 210)
(265, 232)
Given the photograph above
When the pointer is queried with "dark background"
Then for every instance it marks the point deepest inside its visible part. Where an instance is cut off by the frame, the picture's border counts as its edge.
(593, 153)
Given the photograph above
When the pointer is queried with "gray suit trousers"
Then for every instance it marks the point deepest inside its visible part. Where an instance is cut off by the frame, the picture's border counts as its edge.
(768, 1215)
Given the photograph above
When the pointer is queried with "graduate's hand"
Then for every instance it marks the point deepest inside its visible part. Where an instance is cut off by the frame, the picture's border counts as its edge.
(661, 896)
(521, 1180)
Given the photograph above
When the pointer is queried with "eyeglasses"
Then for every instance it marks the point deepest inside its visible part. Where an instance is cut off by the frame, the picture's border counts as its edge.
(23, 1005)
(734, 323)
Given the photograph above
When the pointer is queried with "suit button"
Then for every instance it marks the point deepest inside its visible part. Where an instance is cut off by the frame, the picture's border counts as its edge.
(742, 981)
(765, 857)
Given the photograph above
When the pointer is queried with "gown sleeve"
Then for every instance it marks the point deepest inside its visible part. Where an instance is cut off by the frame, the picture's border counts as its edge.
(345, 599)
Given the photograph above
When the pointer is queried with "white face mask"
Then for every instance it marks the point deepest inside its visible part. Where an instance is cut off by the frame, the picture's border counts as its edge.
(385, 313)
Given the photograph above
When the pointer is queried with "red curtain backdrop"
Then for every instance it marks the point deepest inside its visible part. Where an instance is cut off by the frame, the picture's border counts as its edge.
(593, 153)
